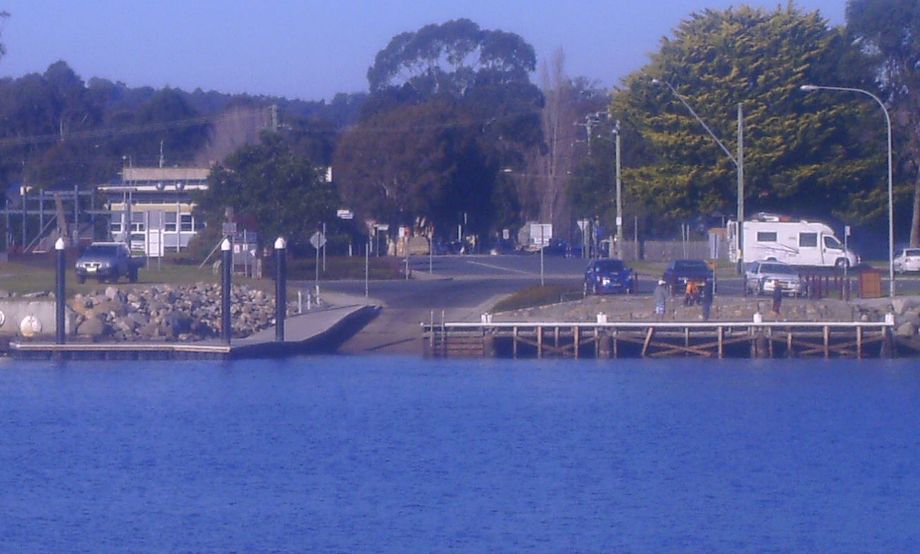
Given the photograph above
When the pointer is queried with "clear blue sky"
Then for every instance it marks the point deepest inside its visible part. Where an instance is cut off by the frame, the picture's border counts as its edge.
(312, 49)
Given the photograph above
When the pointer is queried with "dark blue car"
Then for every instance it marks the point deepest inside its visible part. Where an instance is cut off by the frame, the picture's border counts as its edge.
(609, 276)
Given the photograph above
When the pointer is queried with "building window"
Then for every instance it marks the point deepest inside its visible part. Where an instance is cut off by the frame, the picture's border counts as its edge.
(808, 240)
(766, 236)
(137, 223)
(186, 223)
(170, 222)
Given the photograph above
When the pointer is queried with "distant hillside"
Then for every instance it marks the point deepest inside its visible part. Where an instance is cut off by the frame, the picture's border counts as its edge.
(56, 128)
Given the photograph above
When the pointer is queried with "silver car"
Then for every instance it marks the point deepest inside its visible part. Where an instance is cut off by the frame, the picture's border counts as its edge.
(907, 260)
(763, 277)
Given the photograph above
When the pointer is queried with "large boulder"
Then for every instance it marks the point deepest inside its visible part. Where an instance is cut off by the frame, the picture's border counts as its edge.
(92, 327)
(906, 329)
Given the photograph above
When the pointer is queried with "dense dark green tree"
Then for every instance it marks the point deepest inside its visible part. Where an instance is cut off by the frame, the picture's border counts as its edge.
(3, 15)
(272, 188)
(423, 161)
(888, 30)
(451, 58)
(450, 105)
(809, 155)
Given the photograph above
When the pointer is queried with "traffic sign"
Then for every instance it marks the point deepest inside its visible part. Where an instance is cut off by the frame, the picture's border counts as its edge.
(318, 240)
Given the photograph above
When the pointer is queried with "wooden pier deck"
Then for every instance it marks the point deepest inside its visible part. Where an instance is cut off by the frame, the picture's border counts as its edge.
(310, 333)
(718, 339)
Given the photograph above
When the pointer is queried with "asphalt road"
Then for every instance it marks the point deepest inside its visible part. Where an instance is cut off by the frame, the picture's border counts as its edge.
(462, 287)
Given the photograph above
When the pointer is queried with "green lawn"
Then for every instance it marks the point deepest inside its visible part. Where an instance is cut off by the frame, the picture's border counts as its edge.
(37, 274)
(537, 295)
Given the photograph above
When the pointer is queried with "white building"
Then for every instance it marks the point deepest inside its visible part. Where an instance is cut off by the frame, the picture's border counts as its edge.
(155, 204)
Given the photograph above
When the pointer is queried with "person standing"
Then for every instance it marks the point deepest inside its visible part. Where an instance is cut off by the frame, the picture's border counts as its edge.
(706, 294)
(777, 296)
(690, 293)
(661, 299)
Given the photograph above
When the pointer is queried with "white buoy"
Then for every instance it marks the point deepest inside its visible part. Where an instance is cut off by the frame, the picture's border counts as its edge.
(30, 326)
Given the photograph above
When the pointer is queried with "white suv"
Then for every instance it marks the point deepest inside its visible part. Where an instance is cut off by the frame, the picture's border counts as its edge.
(907, 260)
(763, 277)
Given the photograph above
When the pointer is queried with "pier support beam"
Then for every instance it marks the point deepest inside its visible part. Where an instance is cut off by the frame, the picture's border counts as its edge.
(60, 290)
(226, 268)
(280, 287)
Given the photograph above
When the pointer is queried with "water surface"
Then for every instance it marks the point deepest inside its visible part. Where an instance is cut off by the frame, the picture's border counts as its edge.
(345, 454)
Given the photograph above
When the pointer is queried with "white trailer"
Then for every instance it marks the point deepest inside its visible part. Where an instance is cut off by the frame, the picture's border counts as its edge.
(796, 242)
(534, 236)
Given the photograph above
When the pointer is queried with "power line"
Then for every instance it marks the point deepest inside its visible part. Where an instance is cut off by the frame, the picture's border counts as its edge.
(121, 131)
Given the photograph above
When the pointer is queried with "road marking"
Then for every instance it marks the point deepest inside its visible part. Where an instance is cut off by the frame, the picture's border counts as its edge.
(493, 266)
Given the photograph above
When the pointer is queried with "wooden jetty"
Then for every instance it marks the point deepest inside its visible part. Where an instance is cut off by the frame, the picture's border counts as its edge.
(310, 333)
(717, 339)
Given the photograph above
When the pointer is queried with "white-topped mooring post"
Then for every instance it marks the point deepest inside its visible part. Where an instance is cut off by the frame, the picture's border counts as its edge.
(226, 267)
(280, 287)
(60, 289)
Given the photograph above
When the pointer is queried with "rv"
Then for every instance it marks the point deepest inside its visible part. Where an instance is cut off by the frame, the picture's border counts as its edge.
(796, 242)
(534, 236)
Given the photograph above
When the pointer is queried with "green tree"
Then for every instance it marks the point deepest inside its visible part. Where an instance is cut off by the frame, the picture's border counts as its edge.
(3, 15)
(804, 154)
(888, 30)
(450, 105)
(413, 162)
(272, 189)
(451, 58)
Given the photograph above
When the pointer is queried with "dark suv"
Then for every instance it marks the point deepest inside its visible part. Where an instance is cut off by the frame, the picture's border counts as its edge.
(107, 261)
(681, 272)
(605, 276)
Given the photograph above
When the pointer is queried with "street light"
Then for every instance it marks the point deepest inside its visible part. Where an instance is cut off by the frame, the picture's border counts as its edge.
(810, 88)
(739, 164)
(619, 220)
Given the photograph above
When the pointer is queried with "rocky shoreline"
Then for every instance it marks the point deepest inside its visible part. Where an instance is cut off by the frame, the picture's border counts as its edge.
(725, 308)
(164, 312)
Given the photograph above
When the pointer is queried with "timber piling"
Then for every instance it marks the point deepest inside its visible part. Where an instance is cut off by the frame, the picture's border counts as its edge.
(723, 339)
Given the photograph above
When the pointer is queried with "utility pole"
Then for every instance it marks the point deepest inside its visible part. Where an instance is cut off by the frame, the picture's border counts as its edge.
(273, 114)
(619, 221)
(162, 158)
(741, 193)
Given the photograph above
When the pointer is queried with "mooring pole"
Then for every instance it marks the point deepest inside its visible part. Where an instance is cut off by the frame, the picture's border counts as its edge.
(280, 288)
(226, 266)
(59, 299)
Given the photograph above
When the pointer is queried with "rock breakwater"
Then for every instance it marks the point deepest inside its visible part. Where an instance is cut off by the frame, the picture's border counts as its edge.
(179, 313)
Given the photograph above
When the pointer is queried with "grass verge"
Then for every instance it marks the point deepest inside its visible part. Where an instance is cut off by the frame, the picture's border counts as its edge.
(537, 296)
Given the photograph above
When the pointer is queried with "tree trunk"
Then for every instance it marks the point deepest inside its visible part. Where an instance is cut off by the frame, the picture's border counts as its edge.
(915, 219)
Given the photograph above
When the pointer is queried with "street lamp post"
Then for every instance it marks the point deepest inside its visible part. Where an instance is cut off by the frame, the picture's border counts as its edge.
(738, 161)
(810, 88)
(619, 220)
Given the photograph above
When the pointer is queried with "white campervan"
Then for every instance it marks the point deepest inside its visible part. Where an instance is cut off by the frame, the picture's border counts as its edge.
(796, 242)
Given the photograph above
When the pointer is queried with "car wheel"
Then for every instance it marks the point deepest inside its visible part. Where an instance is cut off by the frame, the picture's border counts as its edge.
(842, 263)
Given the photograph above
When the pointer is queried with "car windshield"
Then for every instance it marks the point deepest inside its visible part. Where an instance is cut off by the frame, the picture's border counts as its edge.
(777, 268)
(609, 265)
(100, 250)
(912, 252)
(690, 265)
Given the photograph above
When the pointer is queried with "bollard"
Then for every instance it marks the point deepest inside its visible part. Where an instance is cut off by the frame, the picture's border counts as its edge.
(299, 302)
(280, 288)
(60, 288)
(226, 265)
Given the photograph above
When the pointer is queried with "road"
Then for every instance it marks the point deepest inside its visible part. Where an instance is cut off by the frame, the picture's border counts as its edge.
(463, 287)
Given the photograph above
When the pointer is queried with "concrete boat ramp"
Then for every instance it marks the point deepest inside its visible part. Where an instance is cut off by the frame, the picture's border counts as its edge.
(314, 332)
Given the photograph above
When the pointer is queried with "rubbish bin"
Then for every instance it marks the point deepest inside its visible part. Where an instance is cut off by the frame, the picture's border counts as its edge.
(870, 283)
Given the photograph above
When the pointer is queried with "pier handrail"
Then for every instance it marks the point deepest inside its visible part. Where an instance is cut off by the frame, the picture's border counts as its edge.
(663, 324)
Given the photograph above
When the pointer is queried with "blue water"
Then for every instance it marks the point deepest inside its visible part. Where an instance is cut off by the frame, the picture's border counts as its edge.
(341, 454)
